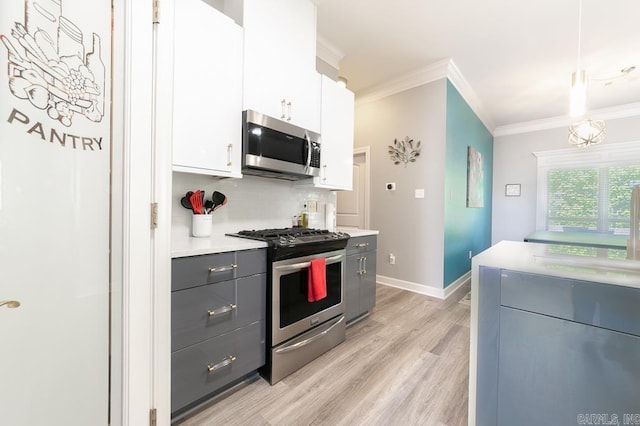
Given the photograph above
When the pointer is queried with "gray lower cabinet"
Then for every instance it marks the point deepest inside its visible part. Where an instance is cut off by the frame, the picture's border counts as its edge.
(360, 282)
(555, 351)
(218, 306)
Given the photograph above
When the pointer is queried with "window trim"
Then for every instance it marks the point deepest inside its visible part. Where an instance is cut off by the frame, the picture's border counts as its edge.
(607, 155)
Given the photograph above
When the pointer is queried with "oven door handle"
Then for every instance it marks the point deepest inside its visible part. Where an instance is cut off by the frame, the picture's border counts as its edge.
(303, 265)
(310, 340)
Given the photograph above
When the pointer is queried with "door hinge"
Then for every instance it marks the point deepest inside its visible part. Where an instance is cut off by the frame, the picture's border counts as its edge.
(154, 215)
(156, 11)
(153, 417)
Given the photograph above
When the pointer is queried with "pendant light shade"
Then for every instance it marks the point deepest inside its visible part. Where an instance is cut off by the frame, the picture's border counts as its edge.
(586, 132)
(578, 97)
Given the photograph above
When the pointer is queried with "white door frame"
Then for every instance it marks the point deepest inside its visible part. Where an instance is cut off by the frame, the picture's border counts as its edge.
(140, 274)
(366, 150)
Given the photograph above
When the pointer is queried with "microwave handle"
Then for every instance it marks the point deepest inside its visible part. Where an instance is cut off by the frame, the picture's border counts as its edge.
(308, 139)
(303, 265)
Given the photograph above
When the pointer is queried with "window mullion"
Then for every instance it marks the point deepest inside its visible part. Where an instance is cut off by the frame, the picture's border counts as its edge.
(603, 199)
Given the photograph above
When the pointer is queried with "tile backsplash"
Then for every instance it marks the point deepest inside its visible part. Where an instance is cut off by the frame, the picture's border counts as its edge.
(253, 202)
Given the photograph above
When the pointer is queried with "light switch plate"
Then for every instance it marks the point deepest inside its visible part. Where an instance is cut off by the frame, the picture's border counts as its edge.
(419, 193)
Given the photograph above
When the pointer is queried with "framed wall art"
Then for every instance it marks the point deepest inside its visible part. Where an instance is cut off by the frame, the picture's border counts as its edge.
(475, 178)
(512, 190)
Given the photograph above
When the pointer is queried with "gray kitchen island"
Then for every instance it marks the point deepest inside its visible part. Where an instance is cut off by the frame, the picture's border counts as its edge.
(555, 336)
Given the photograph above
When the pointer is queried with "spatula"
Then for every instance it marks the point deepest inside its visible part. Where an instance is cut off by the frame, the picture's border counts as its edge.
(196, 202)
(219, 200)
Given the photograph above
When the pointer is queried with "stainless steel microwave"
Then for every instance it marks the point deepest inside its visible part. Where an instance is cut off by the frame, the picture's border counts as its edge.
(275, 148)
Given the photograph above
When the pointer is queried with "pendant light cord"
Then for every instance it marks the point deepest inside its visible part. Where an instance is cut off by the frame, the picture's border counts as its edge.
(579, 33)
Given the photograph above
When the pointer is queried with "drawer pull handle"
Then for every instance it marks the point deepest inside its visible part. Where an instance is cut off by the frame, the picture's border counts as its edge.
(222, 310)
(223, 268)
(12, 304)
(364, 266)
(229, 149)
(361, 245)
(225, 362)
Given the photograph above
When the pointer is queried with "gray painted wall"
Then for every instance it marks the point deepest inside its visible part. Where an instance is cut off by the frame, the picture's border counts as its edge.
(411, 228)
(515, 217)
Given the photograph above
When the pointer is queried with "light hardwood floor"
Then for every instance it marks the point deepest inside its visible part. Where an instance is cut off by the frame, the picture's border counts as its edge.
(406, 364)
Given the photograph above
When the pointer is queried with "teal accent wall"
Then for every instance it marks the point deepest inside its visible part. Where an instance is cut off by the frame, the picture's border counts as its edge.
(465, 228)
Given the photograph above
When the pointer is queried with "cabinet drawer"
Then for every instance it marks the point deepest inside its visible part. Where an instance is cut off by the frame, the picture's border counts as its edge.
(191, 378)
(194, 271)
(204, 312)
(361, 244)
(602, 305)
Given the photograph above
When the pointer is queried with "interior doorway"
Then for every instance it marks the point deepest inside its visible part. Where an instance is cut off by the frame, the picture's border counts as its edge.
(352, 210)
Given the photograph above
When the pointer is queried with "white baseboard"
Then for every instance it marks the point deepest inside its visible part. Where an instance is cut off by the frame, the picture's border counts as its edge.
(423, 289)
(464, 279)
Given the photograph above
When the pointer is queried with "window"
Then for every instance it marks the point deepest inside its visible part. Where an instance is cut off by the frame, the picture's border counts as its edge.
(587, 190)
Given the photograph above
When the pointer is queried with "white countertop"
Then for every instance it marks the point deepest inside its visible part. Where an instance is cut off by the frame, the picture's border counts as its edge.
(353, 232)
(588, 264)
(183, 244)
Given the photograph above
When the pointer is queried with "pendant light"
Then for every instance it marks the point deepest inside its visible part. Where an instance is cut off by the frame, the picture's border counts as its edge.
(586, 131)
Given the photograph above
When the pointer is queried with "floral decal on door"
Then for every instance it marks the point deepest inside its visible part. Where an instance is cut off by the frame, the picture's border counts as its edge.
(50, 66)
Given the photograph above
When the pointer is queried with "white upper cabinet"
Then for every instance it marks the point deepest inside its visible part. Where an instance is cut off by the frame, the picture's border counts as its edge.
(207, 91)
(280, 77)
(336, 132)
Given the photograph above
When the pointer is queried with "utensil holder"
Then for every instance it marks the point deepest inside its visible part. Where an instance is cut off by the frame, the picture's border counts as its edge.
(201, 225)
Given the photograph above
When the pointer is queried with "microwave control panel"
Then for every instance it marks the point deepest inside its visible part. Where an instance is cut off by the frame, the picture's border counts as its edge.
(315, 155)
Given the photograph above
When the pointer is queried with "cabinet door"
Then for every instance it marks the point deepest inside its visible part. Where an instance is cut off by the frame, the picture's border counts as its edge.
(552, 371)
(368, 282)
(207, 91)
(352, 287)
(279, 61)
(336, 130)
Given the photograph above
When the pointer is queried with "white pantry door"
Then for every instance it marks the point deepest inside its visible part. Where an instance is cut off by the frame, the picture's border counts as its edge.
(54, 212)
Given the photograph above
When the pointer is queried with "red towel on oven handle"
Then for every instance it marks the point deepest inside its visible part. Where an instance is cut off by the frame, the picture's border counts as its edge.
(317, 281)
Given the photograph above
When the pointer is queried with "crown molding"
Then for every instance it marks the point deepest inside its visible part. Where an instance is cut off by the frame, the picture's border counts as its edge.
(469, 95)
(328, 52)
(428, 74)
(445, 68)
(611, 113)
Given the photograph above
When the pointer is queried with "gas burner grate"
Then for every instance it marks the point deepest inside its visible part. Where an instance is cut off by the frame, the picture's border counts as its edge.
(268, 234)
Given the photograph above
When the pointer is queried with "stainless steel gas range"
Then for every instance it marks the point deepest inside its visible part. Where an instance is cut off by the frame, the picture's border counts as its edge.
(298, 331)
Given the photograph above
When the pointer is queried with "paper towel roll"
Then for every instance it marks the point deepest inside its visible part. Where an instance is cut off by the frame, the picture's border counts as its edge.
(330, 217)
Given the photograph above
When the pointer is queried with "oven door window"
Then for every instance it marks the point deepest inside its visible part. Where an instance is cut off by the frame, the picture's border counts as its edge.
(293, 295)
